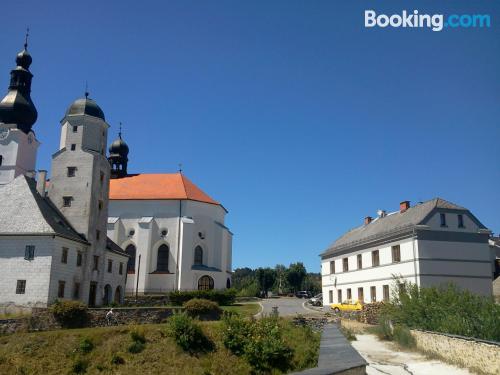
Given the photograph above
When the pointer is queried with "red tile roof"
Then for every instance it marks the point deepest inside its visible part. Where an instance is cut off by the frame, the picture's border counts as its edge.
(156, 187)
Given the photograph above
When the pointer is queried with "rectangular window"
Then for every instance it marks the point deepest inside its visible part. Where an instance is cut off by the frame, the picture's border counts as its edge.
(360, 261)
(332, 266)
(97, 235)
(110, 265)
(64, 255)
(120, 269)
(29, 252)
(96, 263)
(21, 287)
(73, 147)
(60, 290)
(345, 264)
(1, 160)
(76, 291)
(79, 258)
(396, 254)
(375, 259)
(349, 295)
(443, 219)
(461, 221)
(330, 296)
(100, 205)
(373, 294)
(67, 201)
(361, 295)
(102, 178)
(71, 171)
(75, 128)
(386, 292)
(339, 295)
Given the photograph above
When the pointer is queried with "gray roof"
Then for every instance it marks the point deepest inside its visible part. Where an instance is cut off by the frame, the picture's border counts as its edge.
(113, 247)
(390, 224)
(24, 211)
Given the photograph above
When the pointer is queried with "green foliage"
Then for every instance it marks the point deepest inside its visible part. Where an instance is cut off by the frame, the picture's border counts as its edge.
(348, 333)
(70, 314)
(79, 366)
(188, 334)
(86, 345)
(202, 309)
(265, 278)
(222, 297)
(136, 347)
(295, 275)
(259, 341)
(444, 309)
(249, 290)
(117, 359)
(137, 335)
(403, 337)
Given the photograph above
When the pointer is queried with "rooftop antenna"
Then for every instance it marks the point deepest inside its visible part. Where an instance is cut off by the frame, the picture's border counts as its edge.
(26, 38)
(180, 168)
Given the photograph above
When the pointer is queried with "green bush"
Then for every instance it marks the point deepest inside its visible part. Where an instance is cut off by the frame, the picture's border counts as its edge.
(136, 347)
(403, 337)
(222, 297)
(187, 334)
(260, 342)
(70, 314)
(117, 360)
(444, 309)
(79, 366)
(202, 309)
(137, 335)
(86, 345)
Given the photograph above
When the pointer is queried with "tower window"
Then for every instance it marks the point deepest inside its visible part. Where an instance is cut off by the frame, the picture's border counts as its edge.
(102, 177)
(75, 129)
(64, 255)
(67, 201)
(198, 256)
(79, 257)
(100, 205)
(1, 159)
(71, 171)
(73, 147)
(110, 265)
(96, 263)
(60, 291)
(120, 269)
(162, 258)
(21, 287)
(29, 252)
(97, 235)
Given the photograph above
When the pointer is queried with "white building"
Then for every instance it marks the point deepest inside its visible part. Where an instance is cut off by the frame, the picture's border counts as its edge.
(429, 244)
(53, 245)
(174, 233)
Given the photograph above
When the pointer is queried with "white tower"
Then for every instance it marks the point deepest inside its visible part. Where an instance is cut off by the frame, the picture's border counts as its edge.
(18, 145)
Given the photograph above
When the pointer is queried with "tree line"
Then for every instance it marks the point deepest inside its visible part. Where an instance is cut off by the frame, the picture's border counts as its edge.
(278, 280)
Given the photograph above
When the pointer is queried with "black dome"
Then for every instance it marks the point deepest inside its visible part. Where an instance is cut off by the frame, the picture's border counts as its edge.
(118, 148)
(85, 106)
(24, 59)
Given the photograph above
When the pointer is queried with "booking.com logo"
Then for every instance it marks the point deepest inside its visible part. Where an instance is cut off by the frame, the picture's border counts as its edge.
(436, 22)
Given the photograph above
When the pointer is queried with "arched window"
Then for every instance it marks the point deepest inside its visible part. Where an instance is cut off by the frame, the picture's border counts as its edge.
(130, 250)
(107, 294)
(198, 256)
(205, 283)
(228, 283)
(162, 259)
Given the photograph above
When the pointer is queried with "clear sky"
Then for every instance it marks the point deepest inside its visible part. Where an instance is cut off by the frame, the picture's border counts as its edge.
(291, 113)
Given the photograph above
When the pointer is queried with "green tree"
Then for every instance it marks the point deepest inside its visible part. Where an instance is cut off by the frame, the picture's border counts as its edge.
(280, 270)
(266, 278)
(296, 275)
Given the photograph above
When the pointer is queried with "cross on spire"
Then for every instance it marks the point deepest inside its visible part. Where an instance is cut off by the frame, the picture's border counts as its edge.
(180, 168)
(86, 89)
(120, 131)
(26, 38)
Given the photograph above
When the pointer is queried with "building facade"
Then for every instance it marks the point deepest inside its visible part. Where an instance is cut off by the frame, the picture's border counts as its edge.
(431, 243)
(53, 237)
(174, 233)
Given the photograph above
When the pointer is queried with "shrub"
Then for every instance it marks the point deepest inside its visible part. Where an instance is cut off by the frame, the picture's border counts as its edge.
(222, 297)
(117, 360)
(187, 334)
(136, 347)
(79, 366)
(403, 337)
(348, 333)
(137, 335)
(235, 333)
(86, 345)
(202, 309)
(70, 314)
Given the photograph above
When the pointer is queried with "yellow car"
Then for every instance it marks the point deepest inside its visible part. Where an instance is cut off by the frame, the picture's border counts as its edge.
(347, 305)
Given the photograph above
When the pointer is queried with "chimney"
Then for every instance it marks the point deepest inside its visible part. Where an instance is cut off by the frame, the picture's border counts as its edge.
(41, 182)
(403, 206)
(368, 220)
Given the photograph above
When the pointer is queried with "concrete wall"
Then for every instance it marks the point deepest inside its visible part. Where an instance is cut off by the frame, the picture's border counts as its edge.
(18, 152)
(475, 355)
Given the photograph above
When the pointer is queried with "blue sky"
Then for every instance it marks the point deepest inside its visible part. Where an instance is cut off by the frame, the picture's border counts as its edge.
(291, 113)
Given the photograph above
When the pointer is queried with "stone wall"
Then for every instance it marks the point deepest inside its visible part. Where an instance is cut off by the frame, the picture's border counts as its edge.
(477, 355)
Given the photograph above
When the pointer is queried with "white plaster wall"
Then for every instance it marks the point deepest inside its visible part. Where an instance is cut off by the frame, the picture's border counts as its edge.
(113, 278)
(434, 222)
(19, 155)
(36, 272)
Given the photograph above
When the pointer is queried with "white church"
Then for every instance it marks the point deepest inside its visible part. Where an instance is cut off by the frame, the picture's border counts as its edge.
(64, 238)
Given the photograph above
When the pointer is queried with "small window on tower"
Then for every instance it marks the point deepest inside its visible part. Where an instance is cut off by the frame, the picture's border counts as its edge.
(71, 171)
(21, 287)
(67, 201)
(73, 147)
(97, 235)
(96, 263)
(102, 177)
(75, 128)
(101, 205)
(1, 159)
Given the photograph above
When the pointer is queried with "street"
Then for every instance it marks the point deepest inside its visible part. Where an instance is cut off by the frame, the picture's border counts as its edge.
(287, 306)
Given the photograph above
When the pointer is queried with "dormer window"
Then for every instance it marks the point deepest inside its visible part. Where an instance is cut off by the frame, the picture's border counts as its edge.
(442, 219)
(461, 221)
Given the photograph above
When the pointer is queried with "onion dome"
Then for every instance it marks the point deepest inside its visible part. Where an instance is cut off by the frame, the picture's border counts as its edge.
(16, 107)
(119, 148)
(118, 156)
(85, 106)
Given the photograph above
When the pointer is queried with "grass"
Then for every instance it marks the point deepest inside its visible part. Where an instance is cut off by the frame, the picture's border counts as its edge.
(60, 352)
(245, 309)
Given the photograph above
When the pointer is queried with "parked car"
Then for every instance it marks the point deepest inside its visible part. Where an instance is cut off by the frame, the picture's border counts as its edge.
(317, 300)
(303, 294)
(347, 305)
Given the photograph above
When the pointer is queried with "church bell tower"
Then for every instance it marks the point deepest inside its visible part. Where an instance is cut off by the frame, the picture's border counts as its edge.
(18, 144)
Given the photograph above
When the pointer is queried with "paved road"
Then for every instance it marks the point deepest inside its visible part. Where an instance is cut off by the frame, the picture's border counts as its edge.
(287, 306)
(384, 359)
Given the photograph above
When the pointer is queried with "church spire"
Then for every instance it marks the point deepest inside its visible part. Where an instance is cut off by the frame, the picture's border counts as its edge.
(118, 156)
(16, 108)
